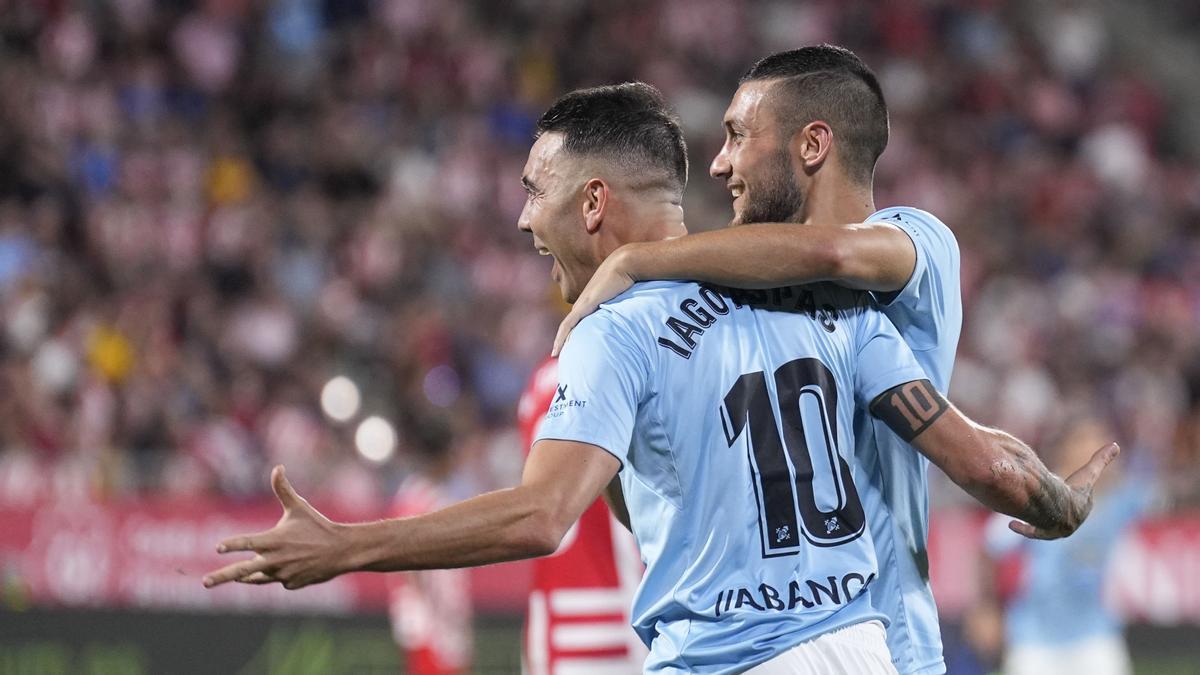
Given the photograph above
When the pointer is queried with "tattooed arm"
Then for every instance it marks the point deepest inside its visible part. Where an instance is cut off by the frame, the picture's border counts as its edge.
(1000, 471)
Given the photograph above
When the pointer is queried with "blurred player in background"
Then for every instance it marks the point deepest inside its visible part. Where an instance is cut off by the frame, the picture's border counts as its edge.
(578, 615)
(430, 610)
(1056, 619)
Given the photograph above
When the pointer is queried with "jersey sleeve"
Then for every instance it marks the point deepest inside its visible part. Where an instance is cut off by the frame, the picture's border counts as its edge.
(602, 378)
(884, 360)
(931, 301)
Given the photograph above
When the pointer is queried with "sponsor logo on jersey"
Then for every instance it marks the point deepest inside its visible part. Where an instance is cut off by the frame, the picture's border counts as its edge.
(562, 403)
(804, 594)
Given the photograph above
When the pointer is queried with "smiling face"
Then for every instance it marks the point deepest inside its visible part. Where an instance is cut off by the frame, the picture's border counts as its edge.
(755, 163)
(553, 214)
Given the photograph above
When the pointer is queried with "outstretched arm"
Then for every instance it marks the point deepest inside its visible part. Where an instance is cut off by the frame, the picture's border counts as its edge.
(867, 256)
(561, 479)
(1000, 471)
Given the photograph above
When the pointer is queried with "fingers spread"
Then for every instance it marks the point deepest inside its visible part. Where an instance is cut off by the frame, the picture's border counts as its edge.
(247, 542)
(236, 571)
(258, 578)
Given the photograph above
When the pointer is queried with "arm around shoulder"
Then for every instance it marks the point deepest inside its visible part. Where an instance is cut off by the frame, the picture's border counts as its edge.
(873, 256)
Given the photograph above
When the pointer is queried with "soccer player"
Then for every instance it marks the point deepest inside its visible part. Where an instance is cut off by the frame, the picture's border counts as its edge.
(728, 415)
(430, 610)
(1056, 619)
(803, 133)
(578, 615)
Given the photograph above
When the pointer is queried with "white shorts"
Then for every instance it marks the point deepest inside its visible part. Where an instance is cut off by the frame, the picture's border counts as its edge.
(1104, 655)
(860, 649)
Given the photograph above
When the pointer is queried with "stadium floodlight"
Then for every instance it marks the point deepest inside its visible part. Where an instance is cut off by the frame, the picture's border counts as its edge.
(340, 398)
(375, 439)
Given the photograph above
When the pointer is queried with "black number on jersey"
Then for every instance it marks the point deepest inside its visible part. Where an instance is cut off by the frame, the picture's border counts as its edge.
(785, 481)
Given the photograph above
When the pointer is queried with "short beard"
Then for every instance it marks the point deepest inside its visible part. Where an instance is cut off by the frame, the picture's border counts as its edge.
(778, 199)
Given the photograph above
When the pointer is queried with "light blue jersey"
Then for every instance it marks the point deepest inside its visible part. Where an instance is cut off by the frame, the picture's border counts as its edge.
(928, 314)
(732, 415)
(1060, 600)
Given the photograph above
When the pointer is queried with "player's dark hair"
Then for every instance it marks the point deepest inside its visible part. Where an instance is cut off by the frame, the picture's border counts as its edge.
(831, 84)
(630, 124)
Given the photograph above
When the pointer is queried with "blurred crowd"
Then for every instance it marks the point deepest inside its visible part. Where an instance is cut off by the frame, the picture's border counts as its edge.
(209, 209)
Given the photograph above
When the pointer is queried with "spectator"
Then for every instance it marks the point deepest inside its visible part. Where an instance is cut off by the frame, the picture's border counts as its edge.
(208, 210)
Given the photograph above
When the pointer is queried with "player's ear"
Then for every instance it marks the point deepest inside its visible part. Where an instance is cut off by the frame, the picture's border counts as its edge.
(595, 201)
(812, 145)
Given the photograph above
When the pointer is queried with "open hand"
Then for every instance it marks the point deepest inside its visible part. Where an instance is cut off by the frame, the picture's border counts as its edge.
(609, 281)
(1081, 483)
(303, 548)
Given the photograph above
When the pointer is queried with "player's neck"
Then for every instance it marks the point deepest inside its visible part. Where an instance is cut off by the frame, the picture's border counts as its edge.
(838, 203)
(644, 221)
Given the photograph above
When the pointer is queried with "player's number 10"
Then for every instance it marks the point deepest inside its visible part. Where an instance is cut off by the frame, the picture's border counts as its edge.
(782, 468)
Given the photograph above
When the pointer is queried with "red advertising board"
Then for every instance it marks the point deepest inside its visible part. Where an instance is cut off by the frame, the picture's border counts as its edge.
(152, 554)
(1155, 574)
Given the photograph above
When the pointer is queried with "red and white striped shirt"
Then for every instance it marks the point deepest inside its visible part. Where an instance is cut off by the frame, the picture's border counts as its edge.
(430, 610)
(578, 615)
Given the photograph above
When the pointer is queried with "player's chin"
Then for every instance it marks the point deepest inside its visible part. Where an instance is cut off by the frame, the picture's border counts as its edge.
(569, 293)
(738, 213)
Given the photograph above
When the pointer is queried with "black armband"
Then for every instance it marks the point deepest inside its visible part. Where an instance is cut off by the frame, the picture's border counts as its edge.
(909, 409)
